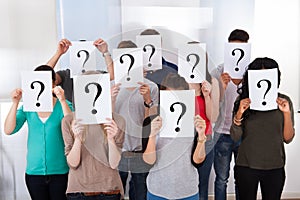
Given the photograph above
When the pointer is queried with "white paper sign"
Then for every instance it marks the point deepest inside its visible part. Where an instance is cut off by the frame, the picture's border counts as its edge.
(92, 98)
(37, 91)
(263, 90)
(177, 109)
(192, 62)
(236, 59)
(128, 66)
(82, 57)
(151, 46)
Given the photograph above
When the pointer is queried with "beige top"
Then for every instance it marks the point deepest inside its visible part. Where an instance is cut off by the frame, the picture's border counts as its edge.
(93, 173)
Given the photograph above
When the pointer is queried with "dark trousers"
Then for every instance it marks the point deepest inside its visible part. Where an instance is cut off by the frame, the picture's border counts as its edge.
(47, 187)
(271, 183)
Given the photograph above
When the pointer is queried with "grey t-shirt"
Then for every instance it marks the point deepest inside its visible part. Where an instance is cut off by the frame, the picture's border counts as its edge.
(130, 104)
(66, 84)
(173, 176)
(224, 121)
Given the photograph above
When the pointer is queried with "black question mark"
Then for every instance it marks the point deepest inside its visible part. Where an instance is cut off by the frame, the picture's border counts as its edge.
(87, 56)
(183, 110)
(152, 52)
(99, 90)
(131, 63)
(269, 87)
(240, 58)
(196, 63)
(41, 91)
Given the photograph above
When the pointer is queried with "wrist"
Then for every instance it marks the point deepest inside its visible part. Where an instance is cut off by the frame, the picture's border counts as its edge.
(201, 139)
(148, 104)
(106, 53)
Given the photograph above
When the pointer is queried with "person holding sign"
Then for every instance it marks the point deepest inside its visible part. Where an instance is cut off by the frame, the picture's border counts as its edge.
(63, 77)
(47, 170)
(174, 174)
(224, 145)
(157, 76)
(207, 106)
(93, 153)
(261, 156)
(135, 104)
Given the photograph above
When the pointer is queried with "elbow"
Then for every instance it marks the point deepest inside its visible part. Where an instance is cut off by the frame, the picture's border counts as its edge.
(8, 131)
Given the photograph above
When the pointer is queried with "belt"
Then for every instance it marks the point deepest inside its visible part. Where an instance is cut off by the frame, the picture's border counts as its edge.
(131, 153)
(112, 192)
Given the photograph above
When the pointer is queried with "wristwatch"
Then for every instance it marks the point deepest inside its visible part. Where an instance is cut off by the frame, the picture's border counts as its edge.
(148, 105)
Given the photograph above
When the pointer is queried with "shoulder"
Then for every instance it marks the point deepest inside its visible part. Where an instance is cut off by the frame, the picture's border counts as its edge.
(68, 118)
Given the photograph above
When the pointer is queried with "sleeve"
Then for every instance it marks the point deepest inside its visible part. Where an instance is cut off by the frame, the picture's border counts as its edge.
(20, 120)
(70, 105)
(236, 132)
(67, 133)
(154, 94)
(120, 121)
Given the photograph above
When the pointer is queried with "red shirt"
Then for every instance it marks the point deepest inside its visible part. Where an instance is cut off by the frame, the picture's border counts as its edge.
(200, 110)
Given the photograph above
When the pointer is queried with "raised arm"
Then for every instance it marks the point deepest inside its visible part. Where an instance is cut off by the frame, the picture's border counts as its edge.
(199, 153)
(149, 155)
(102, 46)
(59, 92)
(288, 128)
(114, 152)
(10, 121)
(62, 48)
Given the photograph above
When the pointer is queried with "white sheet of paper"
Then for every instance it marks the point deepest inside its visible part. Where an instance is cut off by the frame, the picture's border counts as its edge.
(152, 55)
(177, 109)
(192, 62)
(236, 58)
(82, 57)
(37, 91)
(92, 98)
(128, 66)
(263, 90)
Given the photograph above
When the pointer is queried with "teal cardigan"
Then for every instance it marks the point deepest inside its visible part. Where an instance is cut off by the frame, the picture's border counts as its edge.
(45, 144)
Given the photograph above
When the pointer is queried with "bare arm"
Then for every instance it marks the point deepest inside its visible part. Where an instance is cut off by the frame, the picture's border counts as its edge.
(74, 155)
(288, 128)
(102, 46)
(10, 121)
(59, 92)
(149, 156)
(62, 48)
(114, 153)
(199, 153)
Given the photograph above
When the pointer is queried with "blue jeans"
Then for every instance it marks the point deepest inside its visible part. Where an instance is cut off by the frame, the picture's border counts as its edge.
(154, 197)
(133, 163)
(137, 185)
(204, 170)
(224, 148)
(47, 187)
(80, 196)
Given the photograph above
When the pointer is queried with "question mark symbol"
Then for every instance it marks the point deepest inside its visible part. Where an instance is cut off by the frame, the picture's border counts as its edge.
(196, 63)
(99, 90)
(240, 58)
(41, 91)
(183, 110)
(87, 55)
(269, 87)
(152, 52)
(131, 63)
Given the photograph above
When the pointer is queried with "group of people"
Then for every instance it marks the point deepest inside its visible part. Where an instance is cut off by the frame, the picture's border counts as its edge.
(69, 160)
